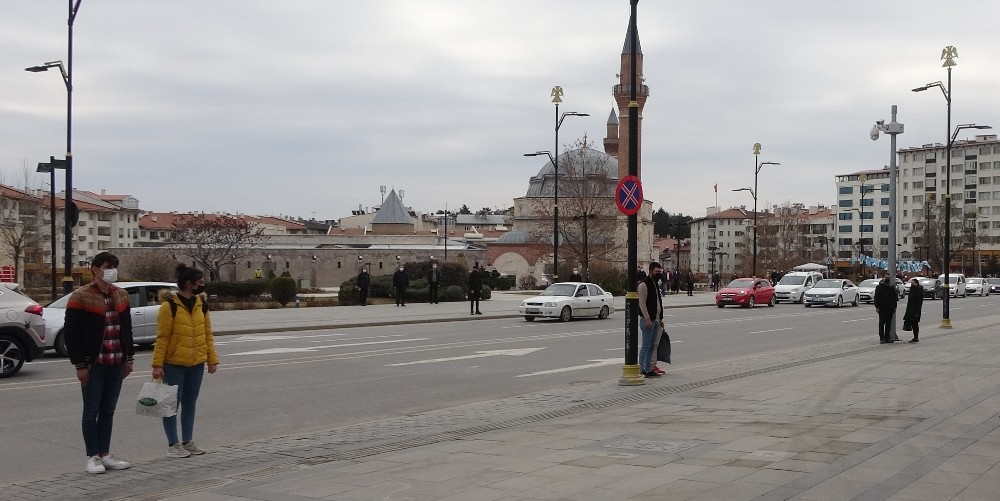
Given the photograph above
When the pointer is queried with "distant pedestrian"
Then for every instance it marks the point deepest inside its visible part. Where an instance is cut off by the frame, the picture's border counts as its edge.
(651, 324)
(184, 348)
(433, 281)
(675, 282)
(98, 333)
(575, 276)
(690, 283)
(911, 317)
(640, 275)
(364, 285)
(475, 284)
(885, 304)
(400, 282)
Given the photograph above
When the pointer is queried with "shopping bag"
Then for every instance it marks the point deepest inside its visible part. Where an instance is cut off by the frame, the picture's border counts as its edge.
(156, 400)
(907, 326)
(663, 349)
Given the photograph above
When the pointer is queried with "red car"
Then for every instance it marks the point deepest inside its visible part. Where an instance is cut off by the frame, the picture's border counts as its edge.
(746, 292)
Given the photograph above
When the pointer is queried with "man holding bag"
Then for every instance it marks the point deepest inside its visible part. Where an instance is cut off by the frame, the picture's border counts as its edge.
(98, 333)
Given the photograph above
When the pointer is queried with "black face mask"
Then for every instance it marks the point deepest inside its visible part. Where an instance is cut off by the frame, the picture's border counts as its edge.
(198, 289)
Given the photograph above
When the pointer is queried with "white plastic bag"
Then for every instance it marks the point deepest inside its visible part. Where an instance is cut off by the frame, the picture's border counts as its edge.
(156, 400)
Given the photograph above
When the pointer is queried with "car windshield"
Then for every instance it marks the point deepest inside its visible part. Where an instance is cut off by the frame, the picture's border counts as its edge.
(976, 281)
(743, 283)
(828, 284)
(927, 282)
(993, 281)
(560, 290)
(871, 282)
(952, 279)
(792, 280)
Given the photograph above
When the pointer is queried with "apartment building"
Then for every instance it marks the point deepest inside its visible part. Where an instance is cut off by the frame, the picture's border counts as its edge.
(862, 217)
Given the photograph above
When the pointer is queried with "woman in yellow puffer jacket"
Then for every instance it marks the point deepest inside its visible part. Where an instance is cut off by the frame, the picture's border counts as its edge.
(183, 348)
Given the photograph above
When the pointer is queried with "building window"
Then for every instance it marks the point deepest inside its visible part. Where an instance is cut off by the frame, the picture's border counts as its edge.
(884, 228)
(846, 241)
(984, 165)
(846, 203)
(918, 185)
(845, 229)
(984, 195)
(846, 190)
(884, 214)
(984, 180)
(867, 228)
(867, 202)
(845, 216)
(904, 226)
(885, 201)
(918, 199)
(867, 215)
(885, 188)
(918, 171)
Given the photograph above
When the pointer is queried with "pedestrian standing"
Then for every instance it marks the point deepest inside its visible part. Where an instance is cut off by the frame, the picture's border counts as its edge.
(690, 282)
(911, 317)
(184, 347)
(475, 284)
(433, 281)
(675, 282)
(885, 304)
(98, 333)
(364, 285)
(575, 276)
(651, 324)
(400, 282)
(640, 275)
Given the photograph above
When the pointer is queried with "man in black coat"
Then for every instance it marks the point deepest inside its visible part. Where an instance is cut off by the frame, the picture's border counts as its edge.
(433, 281)
(400, 281)
(475, 289)
(885, 304)
(914, 303)
(364, 285)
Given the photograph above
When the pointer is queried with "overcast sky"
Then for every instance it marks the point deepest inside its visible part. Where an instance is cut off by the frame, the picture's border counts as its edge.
(305, 108)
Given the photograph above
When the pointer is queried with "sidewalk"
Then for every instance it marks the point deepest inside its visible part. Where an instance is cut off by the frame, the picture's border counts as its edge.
(849, 420)
(502, 305)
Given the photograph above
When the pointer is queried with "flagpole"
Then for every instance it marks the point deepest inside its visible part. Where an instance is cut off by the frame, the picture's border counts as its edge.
(716, 196)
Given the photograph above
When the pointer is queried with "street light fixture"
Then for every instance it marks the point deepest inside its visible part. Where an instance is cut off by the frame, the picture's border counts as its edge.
(757, 166)
(70, 212)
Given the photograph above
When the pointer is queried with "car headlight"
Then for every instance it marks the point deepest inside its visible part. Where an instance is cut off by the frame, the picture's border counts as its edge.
(549, 305)
(742, 293)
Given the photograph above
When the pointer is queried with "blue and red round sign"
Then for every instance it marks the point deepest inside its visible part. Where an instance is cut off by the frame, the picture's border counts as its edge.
(628, 195)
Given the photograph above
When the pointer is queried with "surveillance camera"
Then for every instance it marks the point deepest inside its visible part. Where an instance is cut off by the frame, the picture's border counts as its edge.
(880, 122)
(874, 133)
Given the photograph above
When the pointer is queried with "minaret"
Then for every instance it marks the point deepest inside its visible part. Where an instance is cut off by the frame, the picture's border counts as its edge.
(611, 140)
(621, 93)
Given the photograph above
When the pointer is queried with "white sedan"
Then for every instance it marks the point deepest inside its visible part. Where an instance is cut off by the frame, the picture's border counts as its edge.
(832, 291)
(977, 287)
(566, 300)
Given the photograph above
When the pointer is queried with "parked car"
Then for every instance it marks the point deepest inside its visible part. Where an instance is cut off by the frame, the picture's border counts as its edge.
(933, 288)
(793, 285)
(833, 292)
(144, 298)
(994, 285)
(956, 284)
(22, 329)
(746, 292)
(866, 290)
(977, 287)
(566, 300)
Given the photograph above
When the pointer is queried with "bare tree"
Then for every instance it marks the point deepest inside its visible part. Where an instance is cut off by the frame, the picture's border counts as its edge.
(152, 266)
(22, 218)
(215, 240)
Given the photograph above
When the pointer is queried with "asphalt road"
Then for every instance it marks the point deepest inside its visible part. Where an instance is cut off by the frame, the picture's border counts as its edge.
(276, 384)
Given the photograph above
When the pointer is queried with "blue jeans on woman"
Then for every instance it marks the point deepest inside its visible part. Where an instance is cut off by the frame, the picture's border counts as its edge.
(188, 382)
(100, 396)
(649, 337)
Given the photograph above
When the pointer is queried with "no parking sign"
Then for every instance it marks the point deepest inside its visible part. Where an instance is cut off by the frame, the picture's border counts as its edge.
(628, 195)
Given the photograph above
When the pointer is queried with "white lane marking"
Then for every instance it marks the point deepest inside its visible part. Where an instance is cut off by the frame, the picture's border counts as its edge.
(596, 363)
(772, 330)
(479, 354)
(270, 351)
(856, 320)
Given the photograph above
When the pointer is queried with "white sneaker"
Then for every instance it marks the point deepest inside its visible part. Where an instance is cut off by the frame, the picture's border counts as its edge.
(94, 465)
(176, 451)
(111, 463)
(192, 448)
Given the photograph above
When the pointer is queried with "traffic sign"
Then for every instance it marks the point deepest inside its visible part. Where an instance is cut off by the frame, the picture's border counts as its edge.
(628, 195)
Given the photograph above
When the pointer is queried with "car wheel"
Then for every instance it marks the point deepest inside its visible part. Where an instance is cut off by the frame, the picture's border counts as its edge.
(720, 305)
(772, 302)
(750, 302)
(840, 301)
(12, 356)
(855, 302)
(604, 313)
(60, 345)
(566, 314)
(529, 318)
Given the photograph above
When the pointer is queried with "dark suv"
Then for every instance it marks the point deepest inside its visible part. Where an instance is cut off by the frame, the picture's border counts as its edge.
(22, 330)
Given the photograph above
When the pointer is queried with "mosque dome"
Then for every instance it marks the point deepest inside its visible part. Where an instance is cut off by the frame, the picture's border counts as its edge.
(516, 237)
(597, 166)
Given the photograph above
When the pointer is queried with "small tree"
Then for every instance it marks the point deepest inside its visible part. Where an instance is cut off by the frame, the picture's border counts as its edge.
(22, 217)
(151, 266)
(283, 289)
(214, 240)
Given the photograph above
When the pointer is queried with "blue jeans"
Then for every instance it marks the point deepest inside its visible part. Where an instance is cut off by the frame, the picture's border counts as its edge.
(188, 382)
(649, 337)
(100, 396)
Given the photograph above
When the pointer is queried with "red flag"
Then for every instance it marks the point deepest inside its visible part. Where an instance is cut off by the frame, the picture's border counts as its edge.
(716, 187)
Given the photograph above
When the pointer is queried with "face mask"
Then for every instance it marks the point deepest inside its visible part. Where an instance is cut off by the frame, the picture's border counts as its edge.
(434, 267)
(110, 275)
(198, 289)
(400, 269)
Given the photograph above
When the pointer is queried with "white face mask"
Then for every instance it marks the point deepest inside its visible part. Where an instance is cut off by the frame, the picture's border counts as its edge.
(110, 275)
(400, 269)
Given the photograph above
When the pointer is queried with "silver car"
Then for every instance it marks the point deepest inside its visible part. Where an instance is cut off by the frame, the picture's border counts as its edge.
(22, 329)
(144, 299)
(977, 287)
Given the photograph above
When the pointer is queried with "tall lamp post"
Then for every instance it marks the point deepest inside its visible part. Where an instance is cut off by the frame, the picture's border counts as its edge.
(50, 168)
(631, 371)
(861, 227)
(757, 165)
(70, 211)
(753, 193)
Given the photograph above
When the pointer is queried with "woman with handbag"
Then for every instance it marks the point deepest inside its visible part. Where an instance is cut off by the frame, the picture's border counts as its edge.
(911, 318)
(184, 346)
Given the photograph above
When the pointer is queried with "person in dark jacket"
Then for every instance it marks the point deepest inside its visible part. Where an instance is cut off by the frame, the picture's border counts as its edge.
(98, 333)
(475, 290)
(690, 282)
(885, 304)
(433, 281)
(364, 285)
(575, 276)
(913, 305)
(400, 282)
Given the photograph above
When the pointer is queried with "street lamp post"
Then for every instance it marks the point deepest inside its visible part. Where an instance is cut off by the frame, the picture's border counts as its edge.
(557, 93)
(753, 193)
(892, 128)
(50, 168)
(712, 253)
(756, 170)
(70, 212)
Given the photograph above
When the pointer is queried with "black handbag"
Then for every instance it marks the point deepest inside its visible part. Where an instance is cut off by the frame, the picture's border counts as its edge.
(907, 326)
(663, 349)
